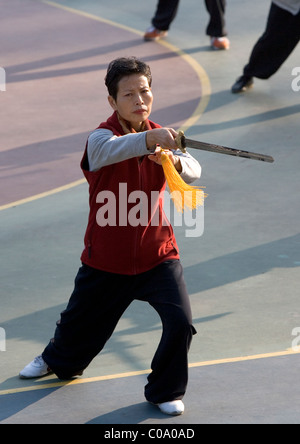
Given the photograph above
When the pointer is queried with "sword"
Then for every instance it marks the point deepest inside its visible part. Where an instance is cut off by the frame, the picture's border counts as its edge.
(182, 142)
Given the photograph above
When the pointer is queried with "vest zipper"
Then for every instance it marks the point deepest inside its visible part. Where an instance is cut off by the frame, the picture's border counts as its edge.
(139, 162)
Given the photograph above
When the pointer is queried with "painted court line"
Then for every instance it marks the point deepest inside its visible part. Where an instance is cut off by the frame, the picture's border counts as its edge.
(143, 372)
(41, 195)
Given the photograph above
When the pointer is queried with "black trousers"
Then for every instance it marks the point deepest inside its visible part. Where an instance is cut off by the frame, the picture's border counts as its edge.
(281, 36)
(166, 11)
(98, 301)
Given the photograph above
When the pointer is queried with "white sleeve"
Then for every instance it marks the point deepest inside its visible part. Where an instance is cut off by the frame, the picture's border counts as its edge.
(105, 149)
(191, 169)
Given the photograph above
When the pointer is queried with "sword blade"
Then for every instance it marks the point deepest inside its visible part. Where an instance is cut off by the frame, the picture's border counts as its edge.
(224, 150)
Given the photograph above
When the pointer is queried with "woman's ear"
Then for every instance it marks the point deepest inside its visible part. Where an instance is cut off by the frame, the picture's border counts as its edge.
(112, 103)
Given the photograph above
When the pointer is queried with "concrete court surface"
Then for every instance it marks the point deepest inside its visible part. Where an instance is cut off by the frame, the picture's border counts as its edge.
(242, 273)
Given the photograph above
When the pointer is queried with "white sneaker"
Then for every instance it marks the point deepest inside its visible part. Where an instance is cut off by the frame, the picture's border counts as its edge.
(35, 369)
(154, 34)
(172, 408)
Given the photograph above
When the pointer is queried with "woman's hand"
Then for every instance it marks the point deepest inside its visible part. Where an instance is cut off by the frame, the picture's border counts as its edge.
(156, 157)
(164, 137)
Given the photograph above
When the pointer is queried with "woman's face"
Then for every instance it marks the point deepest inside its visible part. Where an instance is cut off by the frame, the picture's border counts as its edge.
(134, 100)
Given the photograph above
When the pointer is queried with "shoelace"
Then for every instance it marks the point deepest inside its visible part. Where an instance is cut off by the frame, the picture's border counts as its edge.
(39, 360)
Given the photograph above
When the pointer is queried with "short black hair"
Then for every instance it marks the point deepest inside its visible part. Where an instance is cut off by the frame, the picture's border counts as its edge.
(125, 66)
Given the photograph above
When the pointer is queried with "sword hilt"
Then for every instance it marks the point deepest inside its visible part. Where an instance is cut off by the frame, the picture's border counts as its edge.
(180, 141)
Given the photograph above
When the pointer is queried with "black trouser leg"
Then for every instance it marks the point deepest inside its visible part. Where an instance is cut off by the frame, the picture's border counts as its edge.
(281, 36)
(90, 318)
(165, 13)
(216, 25)
(169, 377)
(95, 307)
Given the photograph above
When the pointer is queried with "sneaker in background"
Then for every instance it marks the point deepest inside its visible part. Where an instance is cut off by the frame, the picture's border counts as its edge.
(219, 43)
(154, 34)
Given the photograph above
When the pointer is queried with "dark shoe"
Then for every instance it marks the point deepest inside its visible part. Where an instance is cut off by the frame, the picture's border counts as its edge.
(68, 377)
(242, 84)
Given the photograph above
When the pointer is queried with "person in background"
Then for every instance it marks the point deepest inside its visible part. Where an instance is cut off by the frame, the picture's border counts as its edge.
(281, 36)
(166, 11)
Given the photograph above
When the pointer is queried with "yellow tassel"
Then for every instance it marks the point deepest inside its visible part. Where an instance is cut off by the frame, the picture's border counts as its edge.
(183, 195)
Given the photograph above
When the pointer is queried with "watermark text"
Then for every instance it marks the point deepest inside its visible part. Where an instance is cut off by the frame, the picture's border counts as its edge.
(2, 340)
(139, 209)
(296, 341)
(2, 79)
(296, 80)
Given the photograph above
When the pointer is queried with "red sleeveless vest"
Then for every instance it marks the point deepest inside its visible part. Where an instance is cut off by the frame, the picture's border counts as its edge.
(127, 231)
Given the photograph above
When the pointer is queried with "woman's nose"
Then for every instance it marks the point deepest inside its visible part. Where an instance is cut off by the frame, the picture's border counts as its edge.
(139, 100)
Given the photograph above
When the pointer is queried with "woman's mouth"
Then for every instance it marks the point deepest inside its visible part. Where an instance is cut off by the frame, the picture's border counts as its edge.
(140, 111)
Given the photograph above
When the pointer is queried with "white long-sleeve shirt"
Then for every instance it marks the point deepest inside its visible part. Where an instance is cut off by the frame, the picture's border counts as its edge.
(104, 148)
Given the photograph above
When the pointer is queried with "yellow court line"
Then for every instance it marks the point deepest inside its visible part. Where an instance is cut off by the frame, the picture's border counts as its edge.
(91, 16)
(204, 81)
(287, 352)
(144, 372)
(45, 194)
(204, 100)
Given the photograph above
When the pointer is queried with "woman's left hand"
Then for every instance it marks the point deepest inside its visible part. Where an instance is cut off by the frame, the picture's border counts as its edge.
(156, 157)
